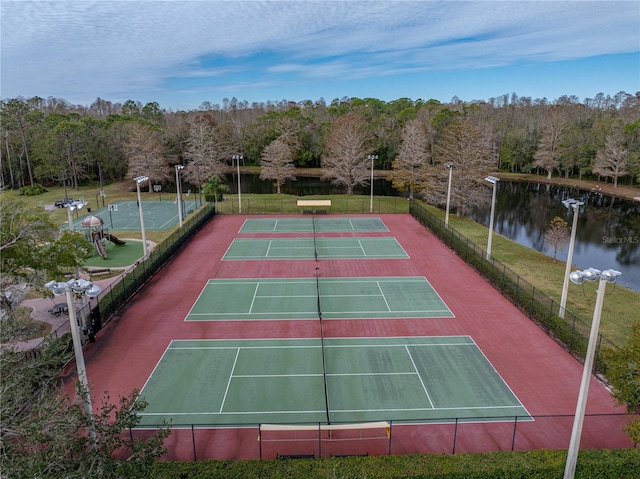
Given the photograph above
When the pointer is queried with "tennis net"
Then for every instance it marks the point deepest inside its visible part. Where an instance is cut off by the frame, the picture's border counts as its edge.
(315, 245)
(324, 357)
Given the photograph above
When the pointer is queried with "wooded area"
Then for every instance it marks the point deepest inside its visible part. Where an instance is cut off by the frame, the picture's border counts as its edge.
(48, 141)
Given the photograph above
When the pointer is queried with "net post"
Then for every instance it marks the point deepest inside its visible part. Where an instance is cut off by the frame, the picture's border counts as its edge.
(193, 441)
(455, 436)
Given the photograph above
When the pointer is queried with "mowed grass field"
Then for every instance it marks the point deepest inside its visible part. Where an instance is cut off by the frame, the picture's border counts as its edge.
(537, 268)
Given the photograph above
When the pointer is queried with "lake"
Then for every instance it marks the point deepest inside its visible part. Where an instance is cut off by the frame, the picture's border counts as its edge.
(607, 236)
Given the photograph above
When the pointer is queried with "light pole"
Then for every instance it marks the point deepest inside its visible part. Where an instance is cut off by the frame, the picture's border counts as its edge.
(139, 180)
(449, 166)
(179, 168)
(494, 181)
(238, 158)
(372, 158)
(101, 183)
(578, 277)
(73, 206)
(574, 205)
(78, 286)
(63, 173)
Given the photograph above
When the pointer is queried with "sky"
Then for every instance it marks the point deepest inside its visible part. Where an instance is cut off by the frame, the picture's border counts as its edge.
(181, 53)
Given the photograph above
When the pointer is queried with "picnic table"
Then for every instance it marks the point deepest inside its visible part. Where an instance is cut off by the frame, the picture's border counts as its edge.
(59, 308)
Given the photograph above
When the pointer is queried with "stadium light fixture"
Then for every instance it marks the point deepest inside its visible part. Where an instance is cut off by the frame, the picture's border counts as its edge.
(237, 158)
(139, 180)
(179, 169)
(494, 181)
(449, 166)
(79, 287)
(73, 206)
(372, 158)
(579, 277)
(574, 205)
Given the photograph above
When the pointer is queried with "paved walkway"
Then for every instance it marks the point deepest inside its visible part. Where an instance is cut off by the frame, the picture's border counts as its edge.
(59, 324)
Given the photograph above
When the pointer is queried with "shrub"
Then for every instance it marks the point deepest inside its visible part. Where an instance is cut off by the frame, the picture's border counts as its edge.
(34, 190)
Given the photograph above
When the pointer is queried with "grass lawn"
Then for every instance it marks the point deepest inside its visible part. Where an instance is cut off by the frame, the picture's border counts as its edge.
(620, 307)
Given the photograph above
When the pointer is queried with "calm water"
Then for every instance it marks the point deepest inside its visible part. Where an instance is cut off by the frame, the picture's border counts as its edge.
(607, 236)
(305, 185)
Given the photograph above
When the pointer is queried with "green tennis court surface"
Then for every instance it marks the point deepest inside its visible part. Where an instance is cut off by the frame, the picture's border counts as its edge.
(158, 215)
(410, 379)
(305, 248)
(347, 298)
(308, 225)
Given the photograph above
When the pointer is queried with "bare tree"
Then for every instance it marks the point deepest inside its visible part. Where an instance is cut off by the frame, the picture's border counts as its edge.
(200, 153)
(145, 154)
(547, 156)
(463, 145)
(412, 158)
(612, 160)
(346, 163)
(277, 163)
(557, 235)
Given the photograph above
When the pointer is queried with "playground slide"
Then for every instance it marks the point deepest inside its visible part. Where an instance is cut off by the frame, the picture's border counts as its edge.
(100, 247)
(115, 239)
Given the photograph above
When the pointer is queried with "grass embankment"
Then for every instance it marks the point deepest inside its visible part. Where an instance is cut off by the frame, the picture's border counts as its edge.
(620, 308)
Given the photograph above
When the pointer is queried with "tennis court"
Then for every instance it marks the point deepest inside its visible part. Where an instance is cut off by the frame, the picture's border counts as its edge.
(410, 379)
(307, 248)
(313, 224)
(307, 298)
(124, 215)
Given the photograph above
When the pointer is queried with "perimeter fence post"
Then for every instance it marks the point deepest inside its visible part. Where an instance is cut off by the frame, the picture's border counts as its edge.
(319, 441)
(390, 433)
(513, 439)
(598, 349)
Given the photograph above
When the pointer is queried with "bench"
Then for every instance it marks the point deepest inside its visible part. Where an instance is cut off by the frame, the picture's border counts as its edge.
(314, 205)
(100, 271)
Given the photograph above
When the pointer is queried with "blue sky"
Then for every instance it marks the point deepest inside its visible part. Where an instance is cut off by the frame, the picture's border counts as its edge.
(182, 53)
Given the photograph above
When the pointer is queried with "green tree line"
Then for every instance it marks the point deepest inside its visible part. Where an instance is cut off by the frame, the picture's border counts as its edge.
(50, 141)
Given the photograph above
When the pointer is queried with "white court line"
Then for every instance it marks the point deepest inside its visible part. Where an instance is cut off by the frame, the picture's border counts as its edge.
(268, 248)
(420, 377)
(383, 296)
(361, 248)
(226, 391)
(255, 292)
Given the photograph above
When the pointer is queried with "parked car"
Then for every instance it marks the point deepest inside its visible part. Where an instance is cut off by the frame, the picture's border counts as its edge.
(64, 202)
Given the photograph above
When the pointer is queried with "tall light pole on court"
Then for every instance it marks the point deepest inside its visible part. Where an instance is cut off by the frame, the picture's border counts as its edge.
(78, 286)
(578, 277)
(449, 166)
(574, 205)
(179, 168)
(372, 158)
(494, 181)
(139, 180)
(237, 158)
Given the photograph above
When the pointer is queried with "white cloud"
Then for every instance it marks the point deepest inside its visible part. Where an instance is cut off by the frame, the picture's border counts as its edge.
(86, 49)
